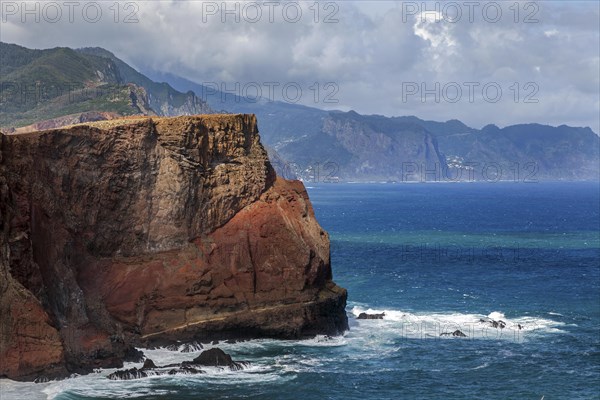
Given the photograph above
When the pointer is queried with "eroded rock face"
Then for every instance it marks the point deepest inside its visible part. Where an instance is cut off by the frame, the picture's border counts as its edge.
(148, 231)
(29, 343)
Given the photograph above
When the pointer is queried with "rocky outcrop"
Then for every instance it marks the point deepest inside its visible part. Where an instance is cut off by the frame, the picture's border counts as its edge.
(214, 357)
(186, 347)
(370, 316)
(149, 231)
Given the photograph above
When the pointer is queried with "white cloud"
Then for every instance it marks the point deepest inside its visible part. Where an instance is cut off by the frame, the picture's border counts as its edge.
(372, 52)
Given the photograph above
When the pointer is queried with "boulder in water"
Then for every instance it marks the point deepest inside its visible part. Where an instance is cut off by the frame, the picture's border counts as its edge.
(149, 364)
(456, 333)
(191, 347)
(186, 347)
(370, 316)
(127, 374)
(216, 357)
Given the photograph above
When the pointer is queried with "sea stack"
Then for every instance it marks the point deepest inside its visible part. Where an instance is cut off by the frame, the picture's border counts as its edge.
(147, 231)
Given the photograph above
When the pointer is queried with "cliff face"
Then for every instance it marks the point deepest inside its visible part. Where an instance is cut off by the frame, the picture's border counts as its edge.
(189, 104)
(385, 150)
(145, 231)
(28, 338)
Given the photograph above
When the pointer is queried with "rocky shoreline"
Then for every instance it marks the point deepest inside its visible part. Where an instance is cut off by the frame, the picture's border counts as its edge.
(214, 357)
(145, 232)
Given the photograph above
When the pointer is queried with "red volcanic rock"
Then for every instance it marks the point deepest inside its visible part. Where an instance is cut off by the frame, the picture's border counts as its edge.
(29, 344)
(148, 231)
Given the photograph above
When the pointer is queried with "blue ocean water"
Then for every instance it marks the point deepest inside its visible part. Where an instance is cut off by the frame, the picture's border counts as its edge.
(435, 258)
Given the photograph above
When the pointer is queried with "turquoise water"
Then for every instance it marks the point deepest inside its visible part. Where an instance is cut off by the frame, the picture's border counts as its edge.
(434, 258)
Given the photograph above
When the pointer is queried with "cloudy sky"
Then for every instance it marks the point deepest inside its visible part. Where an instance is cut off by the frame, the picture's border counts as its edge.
(484, 62)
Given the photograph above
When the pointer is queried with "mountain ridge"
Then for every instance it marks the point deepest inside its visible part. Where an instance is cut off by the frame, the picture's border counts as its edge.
(490, 154)
(312, 144)
(40, 85)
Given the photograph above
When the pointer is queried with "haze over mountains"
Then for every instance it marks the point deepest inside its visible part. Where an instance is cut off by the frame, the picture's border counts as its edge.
(314, 144)
(351, 146)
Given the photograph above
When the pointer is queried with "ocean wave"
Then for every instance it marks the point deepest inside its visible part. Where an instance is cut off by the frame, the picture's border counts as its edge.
(324, 341)
(260, 370)
(494, 326)
(275, 361)
(99, 386)
(22, 390)
(484, 365)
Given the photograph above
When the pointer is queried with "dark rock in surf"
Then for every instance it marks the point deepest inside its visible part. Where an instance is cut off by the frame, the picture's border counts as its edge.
(191, 347)
(149, 364)
(456, 333)
(128, 374)
(173, 347)
(498, 324)
(185, 370)
(134, 355)
(216, 358)
(134, 373)
(370, 316)
(186, 347)
(150, 369)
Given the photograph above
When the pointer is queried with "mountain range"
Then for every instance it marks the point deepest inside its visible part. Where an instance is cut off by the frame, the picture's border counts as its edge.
(333, 145)
(61, 86)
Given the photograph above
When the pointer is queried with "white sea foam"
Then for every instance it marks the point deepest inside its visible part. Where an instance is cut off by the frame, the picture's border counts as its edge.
(495, 315)
(494, 326)
(484, 365)
(324, 341)
(366, 339)
(97, 384)
(22, 390)
(94, 385)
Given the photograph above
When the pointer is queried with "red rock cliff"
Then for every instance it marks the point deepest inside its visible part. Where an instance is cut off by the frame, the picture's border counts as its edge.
(146, 231)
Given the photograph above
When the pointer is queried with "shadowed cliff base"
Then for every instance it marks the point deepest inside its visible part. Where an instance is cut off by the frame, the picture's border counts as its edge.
(145, 231)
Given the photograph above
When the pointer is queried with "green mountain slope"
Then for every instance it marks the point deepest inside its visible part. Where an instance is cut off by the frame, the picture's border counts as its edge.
(38, 85)
(161, 96)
